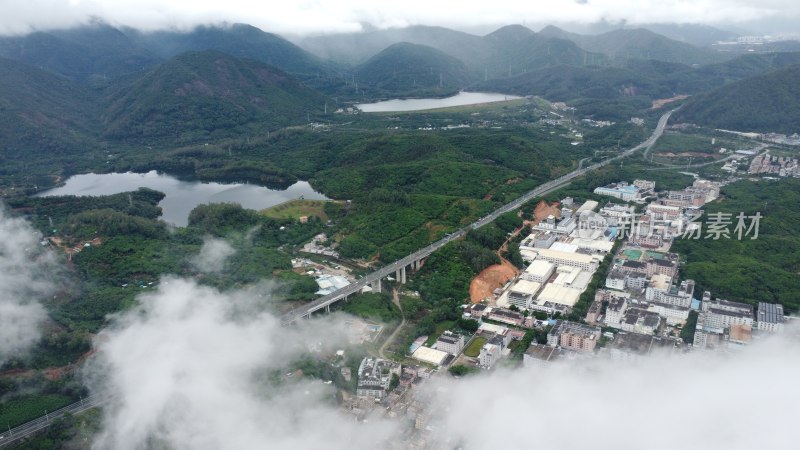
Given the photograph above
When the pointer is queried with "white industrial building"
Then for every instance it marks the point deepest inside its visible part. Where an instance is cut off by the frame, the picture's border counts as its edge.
(538, 271)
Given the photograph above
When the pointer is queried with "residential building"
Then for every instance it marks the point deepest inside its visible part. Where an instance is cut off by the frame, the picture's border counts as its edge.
(541, 355)
(770, 317)
(574, 336)
(489, 355)
(721, 314)
(506, 316)
(450, 342)
(634, 346)
(374, 377)
(615, 311)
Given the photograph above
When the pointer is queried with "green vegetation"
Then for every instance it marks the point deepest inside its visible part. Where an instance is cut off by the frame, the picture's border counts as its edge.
(459, 370)
(766, 103)
(750, 270)
(294, 209)
(687, 332)
(405, 69)
(378, 307)
(474, 347)
(28, 407)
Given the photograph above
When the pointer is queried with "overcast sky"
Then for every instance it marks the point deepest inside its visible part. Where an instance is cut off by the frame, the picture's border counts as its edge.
(327, 16)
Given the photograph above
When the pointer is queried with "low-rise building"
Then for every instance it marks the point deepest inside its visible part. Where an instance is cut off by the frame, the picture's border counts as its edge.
(538, 355)
(634, 346)
(538, 271)
(622, 191)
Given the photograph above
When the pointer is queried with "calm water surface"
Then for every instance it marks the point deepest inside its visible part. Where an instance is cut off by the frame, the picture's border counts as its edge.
(419, 104)
(183, 196)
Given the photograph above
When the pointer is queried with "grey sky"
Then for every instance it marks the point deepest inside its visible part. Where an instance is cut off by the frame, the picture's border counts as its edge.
(327, 16)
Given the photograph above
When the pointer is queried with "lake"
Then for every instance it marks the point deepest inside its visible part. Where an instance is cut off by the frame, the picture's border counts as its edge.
(419, 104)
(182, 196)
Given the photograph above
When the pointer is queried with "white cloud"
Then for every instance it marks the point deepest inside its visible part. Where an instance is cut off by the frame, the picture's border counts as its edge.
(321, 16)
(745, 400)
(24, 271)
(213, 255)
(189, 368)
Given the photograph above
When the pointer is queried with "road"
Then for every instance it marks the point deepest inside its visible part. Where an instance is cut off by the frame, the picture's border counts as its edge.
(23, 431)
(422, 253)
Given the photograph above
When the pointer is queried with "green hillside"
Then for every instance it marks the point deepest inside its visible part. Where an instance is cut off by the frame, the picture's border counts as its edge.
(239, 40)
(93, 53)
(769, 102)
(205, 95)
(41, 114)
(623, 45)
(410, 68)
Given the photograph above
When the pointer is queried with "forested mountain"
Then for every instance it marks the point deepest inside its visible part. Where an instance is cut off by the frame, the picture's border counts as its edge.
(690, 33)
(769, 102)
(93, 53)
(42, 113)
(239, 40)
(623, 45)
(200, 95)
(405, 67)
(356, 48)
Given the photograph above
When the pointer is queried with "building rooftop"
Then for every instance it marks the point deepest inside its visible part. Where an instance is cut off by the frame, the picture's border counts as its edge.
(559, 294)
(429, 355)
(539, 268)
(770, 313)
(526, 287)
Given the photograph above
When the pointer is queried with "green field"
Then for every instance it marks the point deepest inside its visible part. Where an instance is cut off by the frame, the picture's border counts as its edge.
(654, 255)
(632, 255)
(474, 348)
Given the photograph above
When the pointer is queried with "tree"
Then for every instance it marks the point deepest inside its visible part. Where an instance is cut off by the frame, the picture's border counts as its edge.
(394, 382)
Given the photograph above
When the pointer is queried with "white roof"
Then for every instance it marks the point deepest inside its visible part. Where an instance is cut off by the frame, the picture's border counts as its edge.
(539, 268)
(527, 287)
(559, 294)
(589, 205)
(555, 254)
(492, 328)
(564, 247)
(429, 355)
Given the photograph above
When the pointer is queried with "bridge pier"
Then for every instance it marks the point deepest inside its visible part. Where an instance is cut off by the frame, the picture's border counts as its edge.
(327, 308)
(376, 286)
(400, 275)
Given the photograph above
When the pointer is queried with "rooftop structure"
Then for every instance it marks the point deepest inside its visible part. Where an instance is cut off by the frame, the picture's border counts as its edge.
(450, 343)
(374, 377)
(770, 317)
(622, 191)
(430, 356)
(538, 354)
(585, 262)
(573, 336)
(538, 271)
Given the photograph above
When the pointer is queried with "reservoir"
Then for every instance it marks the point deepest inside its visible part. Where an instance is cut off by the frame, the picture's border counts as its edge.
(182, 196)
(420, 104)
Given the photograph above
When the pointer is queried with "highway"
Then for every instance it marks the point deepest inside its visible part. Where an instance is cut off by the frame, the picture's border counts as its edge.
(9, 437)
(420, 254)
